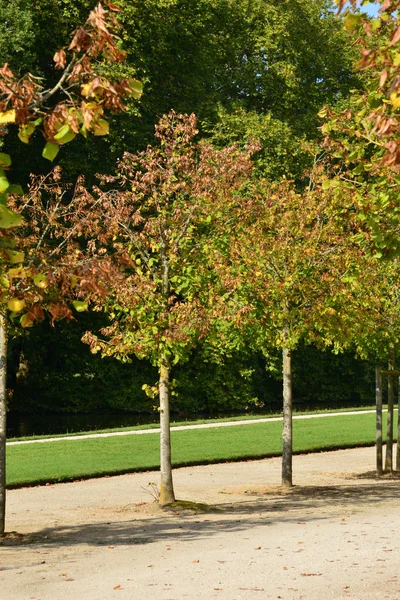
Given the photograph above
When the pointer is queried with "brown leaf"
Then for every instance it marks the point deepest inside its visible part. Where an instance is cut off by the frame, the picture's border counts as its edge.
(117, 587)
(396, 37)
(112, 6)
(60, 58)
(384, 76)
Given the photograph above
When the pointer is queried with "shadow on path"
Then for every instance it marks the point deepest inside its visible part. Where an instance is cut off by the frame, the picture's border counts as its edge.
(265, 507)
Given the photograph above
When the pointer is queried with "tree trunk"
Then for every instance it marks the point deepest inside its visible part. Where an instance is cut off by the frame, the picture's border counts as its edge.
(379, 458)
(389, 433)
(398, 429)
(3, 417)
(167, 487)
(287, 436)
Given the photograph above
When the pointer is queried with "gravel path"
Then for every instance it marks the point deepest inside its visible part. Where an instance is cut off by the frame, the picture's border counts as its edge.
(334, 536)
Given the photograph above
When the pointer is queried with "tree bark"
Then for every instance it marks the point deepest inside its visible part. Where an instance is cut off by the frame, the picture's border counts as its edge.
(398, 428)
(167, 494)
(378, 396)
(3, 419)
(287, 432)
(389, 430)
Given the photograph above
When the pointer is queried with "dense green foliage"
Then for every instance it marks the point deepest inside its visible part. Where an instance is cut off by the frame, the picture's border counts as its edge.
(269, 65)
(60, 374)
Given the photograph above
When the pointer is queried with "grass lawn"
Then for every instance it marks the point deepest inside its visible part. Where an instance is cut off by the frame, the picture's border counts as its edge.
(64, 460)
(197, 422)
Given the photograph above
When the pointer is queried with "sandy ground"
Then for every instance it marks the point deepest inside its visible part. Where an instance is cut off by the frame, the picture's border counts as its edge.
(335, 535)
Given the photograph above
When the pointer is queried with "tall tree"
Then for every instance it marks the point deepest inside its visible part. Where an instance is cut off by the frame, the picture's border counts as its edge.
(153, 217)
(26, 104)
(285, 261)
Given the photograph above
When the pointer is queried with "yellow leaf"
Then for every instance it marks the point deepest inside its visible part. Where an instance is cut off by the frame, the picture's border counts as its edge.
(395, 99)
(85, 89)
(18, 272)
(16, 304)
(7, 117)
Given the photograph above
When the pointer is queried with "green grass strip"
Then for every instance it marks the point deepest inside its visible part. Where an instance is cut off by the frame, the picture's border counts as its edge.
(195, 422)
(64, 460)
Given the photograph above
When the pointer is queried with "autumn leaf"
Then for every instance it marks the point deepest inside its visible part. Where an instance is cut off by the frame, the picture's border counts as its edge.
(60, 59)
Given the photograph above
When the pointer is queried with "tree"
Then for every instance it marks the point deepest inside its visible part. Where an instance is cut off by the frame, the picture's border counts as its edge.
(362, 139)
(154, 219)
(363, 160)
(24, 102)
(288, 261)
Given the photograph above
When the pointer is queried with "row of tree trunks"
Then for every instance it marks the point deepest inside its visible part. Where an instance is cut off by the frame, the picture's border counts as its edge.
(389, 466)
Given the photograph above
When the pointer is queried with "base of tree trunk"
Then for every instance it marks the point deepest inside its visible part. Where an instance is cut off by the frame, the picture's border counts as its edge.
(167, 496)
(287, 484)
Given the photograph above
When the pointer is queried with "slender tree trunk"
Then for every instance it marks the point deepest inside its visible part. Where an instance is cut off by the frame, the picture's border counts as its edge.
(379, 458)
(398, 429)
(3, 417)
(167, 494)
(389, 434)
(167, 487)
(287, 432)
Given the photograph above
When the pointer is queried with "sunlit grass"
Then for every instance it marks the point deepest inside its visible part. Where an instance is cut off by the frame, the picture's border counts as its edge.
(152, 425)
(64, 460)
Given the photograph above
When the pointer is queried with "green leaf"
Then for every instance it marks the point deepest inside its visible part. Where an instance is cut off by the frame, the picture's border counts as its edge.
(40, 280)
(15, 189)
(50, 151)
(14, 257)
(4, 183)
(25, 132)
(8, 218)
(375, 24)
(137, 88)
(326, 185)
(5, 159)
(351, 21)
(101, 127)
(80, 306)
(65, 135)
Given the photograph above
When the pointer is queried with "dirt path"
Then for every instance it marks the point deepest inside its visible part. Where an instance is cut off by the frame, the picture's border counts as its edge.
(334, 536)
